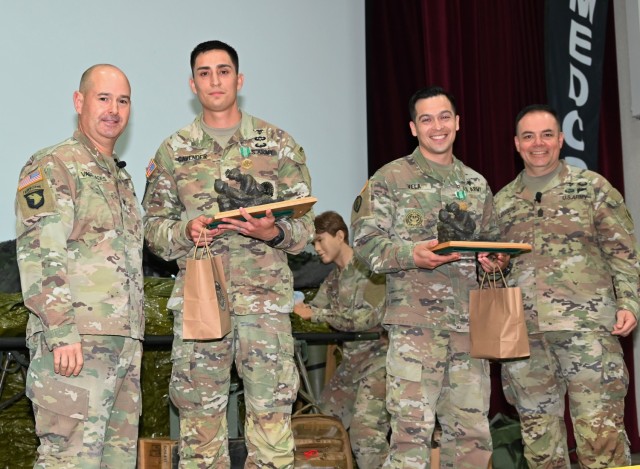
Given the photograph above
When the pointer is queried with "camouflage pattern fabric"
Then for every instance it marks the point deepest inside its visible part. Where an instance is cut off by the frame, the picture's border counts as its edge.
(583, 238)
(79, 245)
(429, 373)
(359, 401)
(591, 367)
(79, 251)
(180, 188)
(89, 421)
(262, 346)
(397, 209)
(352, 299)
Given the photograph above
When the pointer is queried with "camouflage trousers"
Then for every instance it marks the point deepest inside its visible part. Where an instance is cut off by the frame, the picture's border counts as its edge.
(429, 373)
(357, 397)
(590, 367)
(90, 420)
(262, 346)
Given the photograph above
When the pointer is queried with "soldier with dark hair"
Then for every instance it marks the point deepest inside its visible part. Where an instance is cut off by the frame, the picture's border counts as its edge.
(351, 299)
(580, 288)
(429, 370)
(228, 145)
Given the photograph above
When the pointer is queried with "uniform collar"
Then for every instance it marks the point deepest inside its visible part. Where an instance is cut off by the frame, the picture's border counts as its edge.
(105, 162)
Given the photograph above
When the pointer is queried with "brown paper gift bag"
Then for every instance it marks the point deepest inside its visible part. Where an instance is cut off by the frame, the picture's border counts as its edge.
(497, 327)
(205, 314)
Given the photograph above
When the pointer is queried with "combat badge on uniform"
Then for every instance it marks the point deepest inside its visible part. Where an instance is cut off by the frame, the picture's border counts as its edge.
(414, 218)
(34, 195)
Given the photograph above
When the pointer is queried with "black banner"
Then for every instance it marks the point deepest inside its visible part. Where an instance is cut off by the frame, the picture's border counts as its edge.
(574, 53)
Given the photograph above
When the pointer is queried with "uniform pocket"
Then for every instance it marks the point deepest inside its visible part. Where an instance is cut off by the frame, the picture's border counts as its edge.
(274, 378)
(615, 376)
(61, 408)
(194, 385)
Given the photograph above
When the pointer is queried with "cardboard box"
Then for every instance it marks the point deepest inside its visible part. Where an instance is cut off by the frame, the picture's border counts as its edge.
(157, 453)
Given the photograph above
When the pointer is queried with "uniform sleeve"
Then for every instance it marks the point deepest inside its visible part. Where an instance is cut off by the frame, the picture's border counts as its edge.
(43, 226)
(321, 303)
(615, 231)
(358, 304)
(294, 182)
(164, 229)
(371, 225)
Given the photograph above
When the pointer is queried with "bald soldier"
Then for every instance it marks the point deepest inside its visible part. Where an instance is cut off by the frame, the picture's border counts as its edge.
(79, 249)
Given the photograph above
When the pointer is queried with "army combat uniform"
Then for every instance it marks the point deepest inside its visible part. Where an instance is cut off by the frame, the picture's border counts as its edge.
(429, 370)
(79, 251)
(352, 300)
(582, 237)
(260, 287)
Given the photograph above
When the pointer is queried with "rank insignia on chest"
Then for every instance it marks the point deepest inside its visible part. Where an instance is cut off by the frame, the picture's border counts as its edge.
(413, 186)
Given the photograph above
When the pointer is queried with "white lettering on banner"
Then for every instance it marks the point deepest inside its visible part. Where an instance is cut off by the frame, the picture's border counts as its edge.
(579, 53)
(585, 7)
(576, 41)
(576, 77)
(568, 124)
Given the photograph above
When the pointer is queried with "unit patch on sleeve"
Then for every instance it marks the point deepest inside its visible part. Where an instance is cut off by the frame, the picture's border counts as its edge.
(34, 195)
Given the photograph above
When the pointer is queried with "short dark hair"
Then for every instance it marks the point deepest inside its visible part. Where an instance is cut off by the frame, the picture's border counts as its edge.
(331, 222)
(215, 45)
(537, 108)
(429, 92)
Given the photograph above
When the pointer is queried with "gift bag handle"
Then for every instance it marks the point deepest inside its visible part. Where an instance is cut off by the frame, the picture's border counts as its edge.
(494, 284)
(205, 250)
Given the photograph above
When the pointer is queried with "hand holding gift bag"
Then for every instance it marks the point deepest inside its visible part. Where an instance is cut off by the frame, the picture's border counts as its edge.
(205, 315)
(497, 327)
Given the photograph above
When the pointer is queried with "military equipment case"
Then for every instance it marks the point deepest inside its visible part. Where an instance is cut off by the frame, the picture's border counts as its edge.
(321, 442)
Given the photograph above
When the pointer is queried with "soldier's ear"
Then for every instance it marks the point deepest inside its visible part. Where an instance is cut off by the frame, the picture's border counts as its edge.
(78, 101)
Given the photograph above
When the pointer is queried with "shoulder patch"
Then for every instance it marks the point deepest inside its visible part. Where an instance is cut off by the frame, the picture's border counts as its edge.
(362, 204)
(35, 196)
(151, 167)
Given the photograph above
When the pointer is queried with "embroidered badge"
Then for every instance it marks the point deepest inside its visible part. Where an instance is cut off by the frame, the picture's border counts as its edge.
(35, 195)
(31, 178)
(35, 199)
(151, 167)
(413, 218)
(357, 204)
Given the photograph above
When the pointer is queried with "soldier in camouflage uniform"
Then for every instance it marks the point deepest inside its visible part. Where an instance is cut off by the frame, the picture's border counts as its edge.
(583, 238)
(79, 250)
(351, 299)
(429, 370)
(179, 202)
